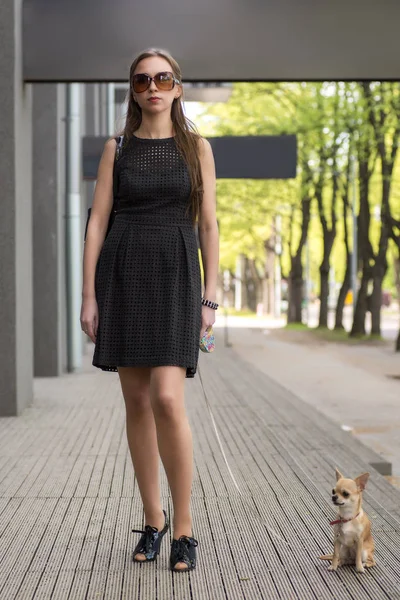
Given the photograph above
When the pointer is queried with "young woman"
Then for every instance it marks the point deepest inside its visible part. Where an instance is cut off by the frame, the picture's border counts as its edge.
(141, 300)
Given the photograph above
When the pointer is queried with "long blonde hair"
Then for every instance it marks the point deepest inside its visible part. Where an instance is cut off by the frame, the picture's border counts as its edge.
(186, 134)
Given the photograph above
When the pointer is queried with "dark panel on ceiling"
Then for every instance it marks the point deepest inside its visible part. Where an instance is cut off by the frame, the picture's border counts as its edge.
(256, 157)
(213, 40)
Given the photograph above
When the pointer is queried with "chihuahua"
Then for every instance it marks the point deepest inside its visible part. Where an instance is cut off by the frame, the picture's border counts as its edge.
(353, 542)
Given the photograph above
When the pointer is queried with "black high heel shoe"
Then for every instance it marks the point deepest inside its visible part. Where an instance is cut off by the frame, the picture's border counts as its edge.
(183, 550)
(150, 542)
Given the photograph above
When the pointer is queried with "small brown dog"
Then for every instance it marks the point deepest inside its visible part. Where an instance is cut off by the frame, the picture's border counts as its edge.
(353, 542)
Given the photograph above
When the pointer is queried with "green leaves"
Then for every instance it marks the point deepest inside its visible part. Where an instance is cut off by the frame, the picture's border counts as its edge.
(331, 121)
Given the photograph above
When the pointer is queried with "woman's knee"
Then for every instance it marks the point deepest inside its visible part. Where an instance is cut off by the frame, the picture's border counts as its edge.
(167, 392)
(135, 386)
(167, 405)
(137, 402)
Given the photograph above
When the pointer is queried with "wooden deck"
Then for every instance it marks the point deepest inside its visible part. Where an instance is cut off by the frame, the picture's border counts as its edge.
(68, 497)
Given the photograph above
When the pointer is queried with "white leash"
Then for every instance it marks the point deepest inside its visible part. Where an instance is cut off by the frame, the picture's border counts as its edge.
(271, 531)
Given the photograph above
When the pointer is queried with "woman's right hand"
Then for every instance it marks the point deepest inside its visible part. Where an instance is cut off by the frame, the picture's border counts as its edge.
(90, 317)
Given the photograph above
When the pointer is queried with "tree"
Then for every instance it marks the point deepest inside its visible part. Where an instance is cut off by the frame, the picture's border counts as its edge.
(295, 279)
(328, 151)
(366, 154)
(396, 260)
(346, 284)
(384, 115)
(247, 208)
(333, 123)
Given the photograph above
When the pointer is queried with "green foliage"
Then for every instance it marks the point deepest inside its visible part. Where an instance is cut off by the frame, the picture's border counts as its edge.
(329, 119)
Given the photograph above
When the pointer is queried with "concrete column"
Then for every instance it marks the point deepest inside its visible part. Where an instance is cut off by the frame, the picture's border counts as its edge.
(48, 199)
(103, 109)
(74, 224)
(16, 332)
(111, 109)
(92, 127)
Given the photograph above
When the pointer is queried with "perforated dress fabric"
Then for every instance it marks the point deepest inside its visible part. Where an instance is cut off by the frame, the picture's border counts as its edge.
(147, 280)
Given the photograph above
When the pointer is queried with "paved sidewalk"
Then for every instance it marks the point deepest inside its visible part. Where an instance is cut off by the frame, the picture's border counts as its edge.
(357, 386)
(69, 498)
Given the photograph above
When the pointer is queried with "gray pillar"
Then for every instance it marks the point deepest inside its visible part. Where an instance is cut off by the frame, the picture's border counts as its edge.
(91, 112)
(74, 225)
(48, 199)
(16, 338)
(92, 127)
(103, 109)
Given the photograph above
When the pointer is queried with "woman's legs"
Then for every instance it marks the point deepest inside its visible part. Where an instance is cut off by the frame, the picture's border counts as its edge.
(142, 441)
(174, 442)
(156, 424)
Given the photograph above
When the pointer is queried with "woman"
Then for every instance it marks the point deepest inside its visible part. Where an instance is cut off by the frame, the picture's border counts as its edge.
(141, 300)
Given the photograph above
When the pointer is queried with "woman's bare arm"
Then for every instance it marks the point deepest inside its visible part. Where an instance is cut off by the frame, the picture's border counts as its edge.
(208, 227)
(208, 232)
(100, 214)
(96, 232)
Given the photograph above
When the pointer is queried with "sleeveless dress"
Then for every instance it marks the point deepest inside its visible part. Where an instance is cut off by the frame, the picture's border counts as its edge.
(147, 279)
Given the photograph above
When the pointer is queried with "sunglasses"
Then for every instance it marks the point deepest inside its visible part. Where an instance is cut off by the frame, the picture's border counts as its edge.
(164, 80)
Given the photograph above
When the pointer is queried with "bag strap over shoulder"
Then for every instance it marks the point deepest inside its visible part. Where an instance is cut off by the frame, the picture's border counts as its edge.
(119, 141)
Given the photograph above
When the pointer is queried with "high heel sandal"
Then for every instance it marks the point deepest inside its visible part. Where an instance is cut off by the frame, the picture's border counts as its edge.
(150, 542)
(183, 550)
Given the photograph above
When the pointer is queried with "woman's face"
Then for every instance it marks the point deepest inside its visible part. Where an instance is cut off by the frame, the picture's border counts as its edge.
(154, 99)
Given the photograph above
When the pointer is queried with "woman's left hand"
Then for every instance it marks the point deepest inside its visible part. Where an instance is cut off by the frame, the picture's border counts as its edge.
(207, 319)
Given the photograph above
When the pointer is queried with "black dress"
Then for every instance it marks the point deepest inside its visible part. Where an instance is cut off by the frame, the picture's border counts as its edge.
(147, 280)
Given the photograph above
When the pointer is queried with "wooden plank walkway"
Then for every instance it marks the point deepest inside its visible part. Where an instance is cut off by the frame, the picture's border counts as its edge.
(68, 497)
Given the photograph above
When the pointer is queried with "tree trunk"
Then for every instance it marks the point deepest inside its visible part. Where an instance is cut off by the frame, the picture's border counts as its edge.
(268, 283)
(324, 293)
(358, 328)
(380, 266)
(251, 286)
(324, 269)
(347, 276)
(329, 233)
(342, 295)
(241, 266)
(397, 275)
(378, 274)
(397, 280)
(365, 251)
(376, 304)
(295, 282)
(378, 119)
(295, 290)
(256, 282)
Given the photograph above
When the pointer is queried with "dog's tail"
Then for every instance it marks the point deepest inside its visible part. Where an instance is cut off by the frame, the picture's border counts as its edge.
(326, 557)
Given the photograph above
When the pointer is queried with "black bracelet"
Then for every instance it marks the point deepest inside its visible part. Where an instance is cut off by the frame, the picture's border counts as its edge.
(209, 303)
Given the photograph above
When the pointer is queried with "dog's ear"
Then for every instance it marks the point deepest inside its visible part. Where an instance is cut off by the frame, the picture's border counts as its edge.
(338, 474)
(361, 481)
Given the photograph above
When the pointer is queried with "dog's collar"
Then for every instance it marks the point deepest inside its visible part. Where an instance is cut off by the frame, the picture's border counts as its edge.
(343, 520)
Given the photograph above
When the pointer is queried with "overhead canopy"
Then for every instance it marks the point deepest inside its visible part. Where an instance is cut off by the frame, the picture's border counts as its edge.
(213, 40)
